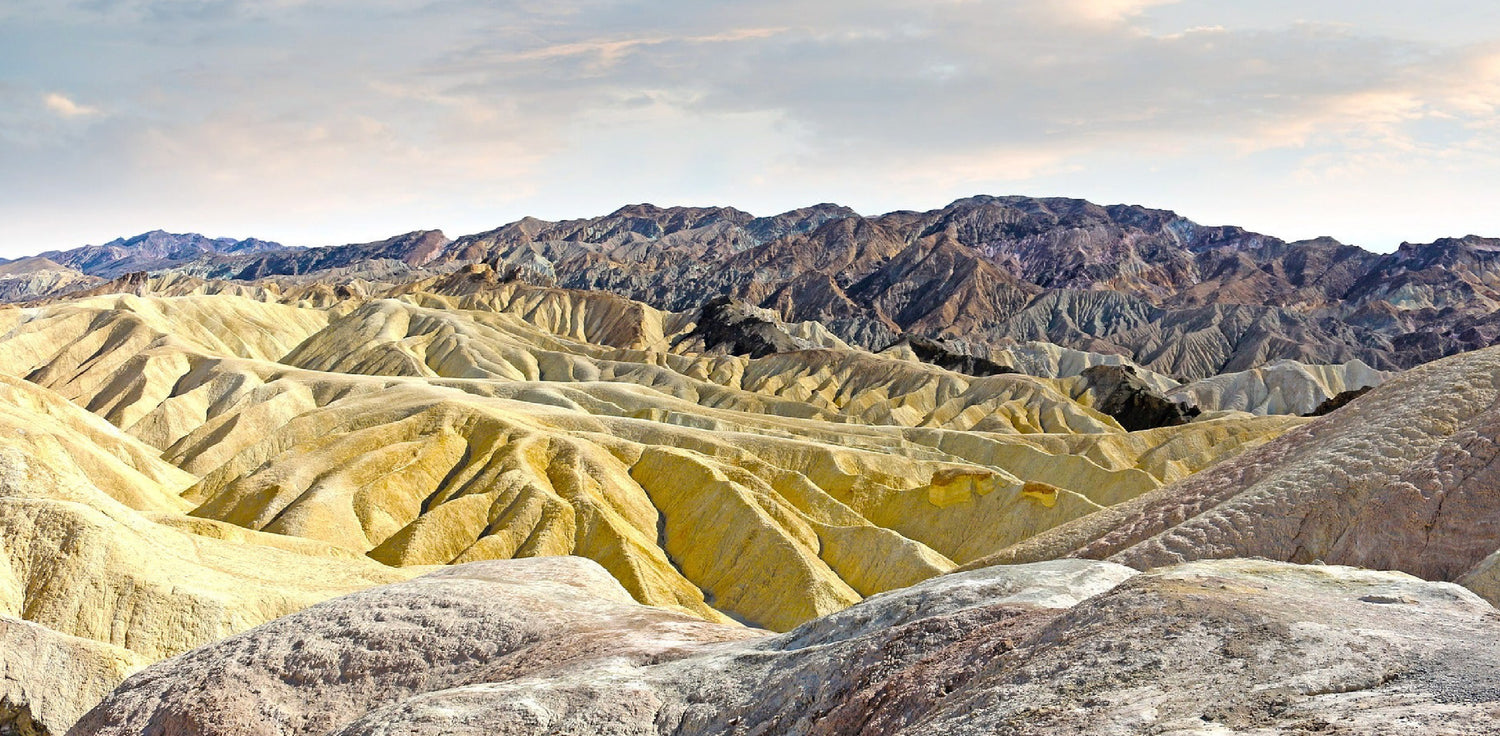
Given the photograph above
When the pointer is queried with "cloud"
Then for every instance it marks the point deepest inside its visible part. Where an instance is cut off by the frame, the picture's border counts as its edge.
(296, 119)
(1113, 11)
(66, 108)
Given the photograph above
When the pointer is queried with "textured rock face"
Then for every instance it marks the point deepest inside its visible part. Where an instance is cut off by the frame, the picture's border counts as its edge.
(1402, 479)
(1068, 647)
(49, 680)
(1339, 401)
(316, 671)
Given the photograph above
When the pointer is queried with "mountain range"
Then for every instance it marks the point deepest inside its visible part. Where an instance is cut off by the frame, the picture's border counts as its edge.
(981, 274)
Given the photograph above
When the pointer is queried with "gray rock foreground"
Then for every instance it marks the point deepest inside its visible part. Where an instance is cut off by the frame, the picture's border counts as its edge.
(555, 646)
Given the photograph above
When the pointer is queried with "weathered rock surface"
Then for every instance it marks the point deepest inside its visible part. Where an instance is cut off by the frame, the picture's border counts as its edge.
(1401, 479)
(1067, 647)
(49, 680)
(318, 670)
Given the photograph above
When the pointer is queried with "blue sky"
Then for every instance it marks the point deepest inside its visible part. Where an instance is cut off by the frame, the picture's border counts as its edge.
(314, 123)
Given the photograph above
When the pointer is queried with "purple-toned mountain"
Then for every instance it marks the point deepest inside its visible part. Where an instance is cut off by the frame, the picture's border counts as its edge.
(152, 251)
(983, 272)
(411, 250)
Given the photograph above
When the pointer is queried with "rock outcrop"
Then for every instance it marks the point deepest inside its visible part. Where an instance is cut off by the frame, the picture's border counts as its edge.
(939, 354)
(739, 328)
(316, 671)
(1067, 647)
(1119, 392)
(1334, 403)
(49, 680)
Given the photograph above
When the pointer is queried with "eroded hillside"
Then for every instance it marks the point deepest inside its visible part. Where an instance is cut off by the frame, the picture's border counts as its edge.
(466, 418)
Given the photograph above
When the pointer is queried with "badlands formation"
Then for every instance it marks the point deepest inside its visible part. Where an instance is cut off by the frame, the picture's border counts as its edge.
(421, 487)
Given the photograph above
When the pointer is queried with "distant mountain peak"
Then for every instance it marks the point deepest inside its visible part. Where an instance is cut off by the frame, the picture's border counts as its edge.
(153, 250)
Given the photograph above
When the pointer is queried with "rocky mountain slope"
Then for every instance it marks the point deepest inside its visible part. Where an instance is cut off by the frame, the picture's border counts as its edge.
(1401, 478)
(27, 278)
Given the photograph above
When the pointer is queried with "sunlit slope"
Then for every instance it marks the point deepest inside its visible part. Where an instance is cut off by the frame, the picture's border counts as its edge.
(84, 554)
(508, 421)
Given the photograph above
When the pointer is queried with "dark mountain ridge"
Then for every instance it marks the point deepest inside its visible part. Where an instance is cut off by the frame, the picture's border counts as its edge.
(983, 272)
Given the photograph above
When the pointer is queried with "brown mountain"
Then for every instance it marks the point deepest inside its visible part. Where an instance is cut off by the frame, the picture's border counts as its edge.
(982, 273)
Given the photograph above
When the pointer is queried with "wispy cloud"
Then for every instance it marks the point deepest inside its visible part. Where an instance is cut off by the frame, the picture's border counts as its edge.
(65, 107)
(609, 51)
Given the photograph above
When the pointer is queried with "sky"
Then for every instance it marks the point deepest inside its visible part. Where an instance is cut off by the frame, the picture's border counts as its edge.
(325, 122)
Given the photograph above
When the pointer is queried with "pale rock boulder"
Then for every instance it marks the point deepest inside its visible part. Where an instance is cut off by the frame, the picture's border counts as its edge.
(1063, 647)
(326, 666)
